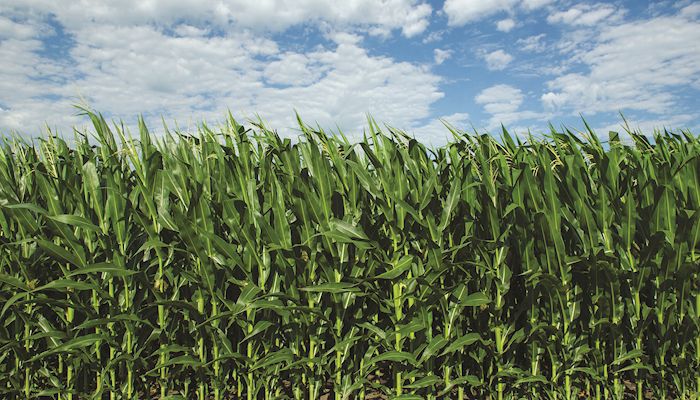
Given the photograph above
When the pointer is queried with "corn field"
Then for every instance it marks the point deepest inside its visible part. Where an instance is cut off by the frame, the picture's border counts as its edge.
(236, 264)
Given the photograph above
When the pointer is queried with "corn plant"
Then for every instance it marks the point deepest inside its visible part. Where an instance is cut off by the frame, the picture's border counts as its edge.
(235, 263)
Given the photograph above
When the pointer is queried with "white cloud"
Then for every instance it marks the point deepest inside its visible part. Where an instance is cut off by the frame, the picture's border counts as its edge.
(574, 40)
(410, 16)
(190, 31)
(433, 36)
(500, 98)
(355, 83)
(532, 43)
(505, 25)
(344, 37)
(586, 15)
(29, 80)
(648, 126)
(691, 11)
(293, 69)
(534, 4)
(129, 70)
(503, 103)
(441, 55)
(415, 26)
(10, 29)
(631, 66)
(462, 12)
(194, 61)
(497, 60)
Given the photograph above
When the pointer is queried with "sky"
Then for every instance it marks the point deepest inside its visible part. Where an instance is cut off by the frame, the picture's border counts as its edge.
(410, 64)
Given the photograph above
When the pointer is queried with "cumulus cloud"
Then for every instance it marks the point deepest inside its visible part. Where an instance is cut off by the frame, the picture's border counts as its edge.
(29, 81)
(293, 69)
(354, 84)
(10, 29)
(410, 16)
(129, 64)
(195, 61)
(497, 60)
(505, 25)
(191, 31)
(441, 55)
(500, 99)
(503, 103)
(631, 66)
(462, 12)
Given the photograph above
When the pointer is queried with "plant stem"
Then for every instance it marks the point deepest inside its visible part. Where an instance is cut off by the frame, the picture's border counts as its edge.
(338, 358)
(249, 352)
(215, 351)
(202, 356)
(398, 383)
(27, 346)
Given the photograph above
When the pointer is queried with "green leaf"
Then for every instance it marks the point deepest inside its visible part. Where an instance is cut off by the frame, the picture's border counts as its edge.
(13, 281)
(472, 380)
(398, 268)
(105, 322)
(105, 267)
(260, 326)
(472, 300)
(61, 284)
(74, 220)
(627, 356)
(394, 356)
(332, 287)
(532, 379)
(73, 344)
(25, 206)
(59, 252)
(12, 300)
(184, 360)
(277, 358)
(433, 347)
(427, 381)
(460, 343)
(635, 367)
(344, 232)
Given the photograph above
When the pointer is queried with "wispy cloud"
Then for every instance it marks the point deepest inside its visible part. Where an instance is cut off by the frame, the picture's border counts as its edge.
(587, 14)
(533, 43)
(631, 66)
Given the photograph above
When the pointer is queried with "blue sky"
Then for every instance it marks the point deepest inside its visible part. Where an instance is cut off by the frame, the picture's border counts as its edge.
(409, 63)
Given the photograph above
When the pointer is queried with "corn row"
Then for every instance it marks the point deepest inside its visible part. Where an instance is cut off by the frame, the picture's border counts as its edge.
(239, 264)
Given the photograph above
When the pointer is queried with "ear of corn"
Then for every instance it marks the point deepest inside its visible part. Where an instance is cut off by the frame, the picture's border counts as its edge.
(235, 263)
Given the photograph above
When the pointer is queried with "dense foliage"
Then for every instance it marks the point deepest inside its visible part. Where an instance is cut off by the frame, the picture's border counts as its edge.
(237, 264)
